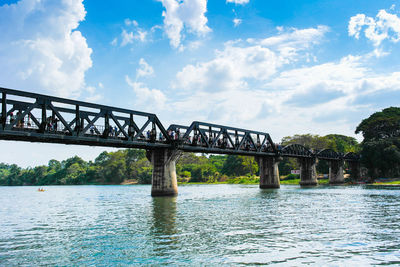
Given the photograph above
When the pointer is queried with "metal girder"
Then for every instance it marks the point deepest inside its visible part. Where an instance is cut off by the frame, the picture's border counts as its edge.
(77, 122)
(296, 150)
(351, 156)
(329, 154)
(85, 123)
(213, 138)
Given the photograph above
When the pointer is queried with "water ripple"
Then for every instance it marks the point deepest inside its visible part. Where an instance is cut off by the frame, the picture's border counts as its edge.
(205, 225)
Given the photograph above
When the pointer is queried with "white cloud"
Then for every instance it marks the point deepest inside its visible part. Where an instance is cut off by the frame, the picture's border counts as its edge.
(290, 42)
(93, 95)
(241, 2)
(321, 99)
(129, 22)
(384, 26)
(114, 42)
(186, 14)
(241, 62)
(127, 37)
(147, 99)
(144, 69)
(41, 49)
(236, 22)
(250, 85)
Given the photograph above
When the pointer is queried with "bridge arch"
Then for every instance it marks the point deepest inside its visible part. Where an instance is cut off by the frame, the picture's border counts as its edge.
(328, 154)
(296, 150)
(351, 156)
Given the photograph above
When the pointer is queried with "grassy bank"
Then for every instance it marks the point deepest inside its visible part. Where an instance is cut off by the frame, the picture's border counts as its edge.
(254, 180)
(388, 183)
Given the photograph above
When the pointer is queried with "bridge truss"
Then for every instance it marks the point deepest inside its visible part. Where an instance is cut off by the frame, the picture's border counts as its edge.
(41, 118)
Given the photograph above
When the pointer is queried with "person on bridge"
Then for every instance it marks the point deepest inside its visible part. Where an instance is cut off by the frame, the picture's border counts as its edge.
(29, 120)
(115, 130)
(11, 117)
(56, 120)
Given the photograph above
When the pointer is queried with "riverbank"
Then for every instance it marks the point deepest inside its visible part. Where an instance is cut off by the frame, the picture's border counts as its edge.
(250, 180)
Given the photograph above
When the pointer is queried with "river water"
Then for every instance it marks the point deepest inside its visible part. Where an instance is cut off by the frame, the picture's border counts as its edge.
(205, 225)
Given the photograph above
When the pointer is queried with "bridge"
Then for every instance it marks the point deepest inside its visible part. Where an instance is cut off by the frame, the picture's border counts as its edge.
(35, 117)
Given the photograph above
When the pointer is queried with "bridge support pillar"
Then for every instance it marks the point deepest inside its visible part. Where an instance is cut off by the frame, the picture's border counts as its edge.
(355, 170)
(336, 172)
(269, 172)
(308, 172)
(164, 182)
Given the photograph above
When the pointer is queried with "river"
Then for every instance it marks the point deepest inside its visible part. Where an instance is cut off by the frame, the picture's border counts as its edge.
(208, 225)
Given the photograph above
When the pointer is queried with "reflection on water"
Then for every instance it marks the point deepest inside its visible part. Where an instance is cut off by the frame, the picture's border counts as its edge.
(163, 227)
(204, 225)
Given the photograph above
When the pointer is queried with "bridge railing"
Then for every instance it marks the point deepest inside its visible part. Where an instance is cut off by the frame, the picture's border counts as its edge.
(201, 136)
(24, 112)
(42, 118)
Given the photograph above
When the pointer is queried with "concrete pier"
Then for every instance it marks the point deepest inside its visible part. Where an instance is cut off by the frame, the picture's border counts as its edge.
(164, 182)
(308, 171)
(336, 172)
(355, 170)
(269, 172)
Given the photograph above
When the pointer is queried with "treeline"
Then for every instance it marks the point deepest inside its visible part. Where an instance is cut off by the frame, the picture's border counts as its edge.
(132, 164)
(380, 149)
(380, 154)
(107, 168)
(336, 142)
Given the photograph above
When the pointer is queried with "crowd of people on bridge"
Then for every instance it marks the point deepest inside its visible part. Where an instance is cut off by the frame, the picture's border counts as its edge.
(197, 139)
(21, 123)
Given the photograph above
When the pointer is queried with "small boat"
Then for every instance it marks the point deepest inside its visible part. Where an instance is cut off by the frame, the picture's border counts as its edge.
(40, 190)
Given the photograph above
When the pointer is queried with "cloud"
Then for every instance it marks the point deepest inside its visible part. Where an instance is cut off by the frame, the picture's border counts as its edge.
(127, 38)
(144, 69)
(181, 15)
(114, 42)
(130, 37)
(241, 62)
(146, 98)
(383, 26)
(129, 22)
(131, 33)
(236, 22)
(240, 2)
(251, 84)
(289, 42)
(92, 95)
(41, 49)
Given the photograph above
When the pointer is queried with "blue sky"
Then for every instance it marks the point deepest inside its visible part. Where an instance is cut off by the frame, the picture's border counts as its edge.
(283, 67)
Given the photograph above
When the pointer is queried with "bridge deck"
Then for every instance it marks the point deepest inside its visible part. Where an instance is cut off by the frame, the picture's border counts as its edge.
(40, 118)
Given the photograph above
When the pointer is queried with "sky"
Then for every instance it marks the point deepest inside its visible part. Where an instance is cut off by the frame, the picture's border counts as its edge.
(277, 66)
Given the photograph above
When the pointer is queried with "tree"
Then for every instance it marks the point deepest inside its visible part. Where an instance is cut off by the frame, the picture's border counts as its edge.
(239, 166)
(336, 142)
(380, 149)
(381, 125)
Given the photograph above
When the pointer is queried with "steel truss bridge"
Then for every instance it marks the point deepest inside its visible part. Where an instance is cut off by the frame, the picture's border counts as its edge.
(34, 117)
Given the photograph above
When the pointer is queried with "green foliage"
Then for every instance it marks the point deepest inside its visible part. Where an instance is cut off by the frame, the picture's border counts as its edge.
(132, 164)
(336, 142)
(240, 166)
(380, 149)
(381, 125)
(292, 176)
(244, 180)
